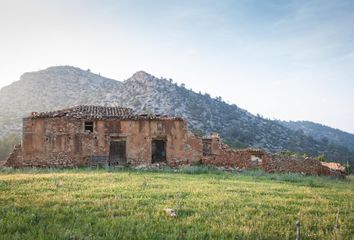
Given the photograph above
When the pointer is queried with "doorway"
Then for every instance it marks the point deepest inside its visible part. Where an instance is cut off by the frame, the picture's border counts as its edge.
(117, 153)
(158, 151)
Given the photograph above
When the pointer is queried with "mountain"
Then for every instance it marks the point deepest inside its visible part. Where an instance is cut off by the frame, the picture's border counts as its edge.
(322, 133)
(64, 86)
(52, 88)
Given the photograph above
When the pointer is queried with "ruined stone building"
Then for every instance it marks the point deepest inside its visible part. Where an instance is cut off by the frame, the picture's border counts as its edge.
(96, 135)
(111, 136)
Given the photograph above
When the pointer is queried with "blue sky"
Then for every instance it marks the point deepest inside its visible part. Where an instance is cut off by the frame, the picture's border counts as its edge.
(291, 60)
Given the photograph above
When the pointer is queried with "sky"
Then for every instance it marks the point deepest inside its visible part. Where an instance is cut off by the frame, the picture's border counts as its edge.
(282, 59)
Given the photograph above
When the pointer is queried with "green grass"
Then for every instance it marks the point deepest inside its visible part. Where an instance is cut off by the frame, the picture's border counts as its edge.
(128, 204)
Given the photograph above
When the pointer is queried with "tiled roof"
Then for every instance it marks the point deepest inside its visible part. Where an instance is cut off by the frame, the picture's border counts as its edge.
(99, 112)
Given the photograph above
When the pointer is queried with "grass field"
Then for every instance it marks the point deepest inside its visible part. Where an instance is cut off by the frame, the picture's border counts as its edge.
(128, 204)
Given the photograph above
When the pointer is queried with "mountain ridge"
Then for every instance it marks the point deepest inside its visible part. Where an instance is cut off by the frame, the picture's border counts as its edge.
(64, 86)
(322, 132)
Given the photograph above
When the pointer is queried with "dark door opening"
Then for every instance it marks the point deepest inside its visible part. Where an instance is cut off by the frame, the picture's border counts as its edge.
(207, 147)
(117, 153)
(158, 151)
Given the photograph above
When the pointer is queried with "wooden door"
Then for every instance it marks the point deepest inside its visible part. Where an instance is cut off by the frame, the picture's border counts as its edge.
(117, 153)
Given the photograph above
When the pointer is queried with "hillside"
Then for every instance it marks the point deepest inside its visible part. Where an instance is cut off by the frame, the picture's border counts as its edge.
(64, 86)
(322, 133)
(53, 88)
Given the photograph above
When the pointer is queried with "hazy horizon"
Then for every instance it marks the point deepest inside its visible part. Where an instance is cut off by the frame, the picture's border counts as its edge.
(288, 60)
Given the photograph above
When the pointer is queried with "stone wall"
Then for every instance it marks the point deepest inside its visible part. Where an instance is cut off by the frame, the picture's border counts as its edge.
(223, 155)
(308, 166)
(62, 141)
(15, 157)
(246, 158)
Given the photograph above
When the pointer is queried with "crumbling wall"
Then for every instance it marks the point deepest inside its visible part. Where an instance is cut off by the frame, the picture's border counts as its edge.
(15, 158)
(222, 155)
(63, 142)
(246, 158)
(48, 142)
(308, 166)
(193, 148)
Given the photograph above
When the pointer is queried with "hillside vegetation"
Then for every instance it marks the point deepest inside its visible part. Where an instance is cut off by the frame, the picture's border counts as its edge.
(323, 133)
(129, 204)
(65, 86)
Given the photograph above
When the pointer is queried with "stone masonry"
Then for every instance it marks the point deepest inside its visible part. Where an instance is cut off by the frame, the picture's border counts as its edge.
(101, 136)
(60, 138)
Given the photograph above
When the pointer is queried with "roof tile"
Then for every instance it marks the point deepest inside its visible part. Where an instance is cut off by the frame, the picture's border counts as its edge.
(99, 112)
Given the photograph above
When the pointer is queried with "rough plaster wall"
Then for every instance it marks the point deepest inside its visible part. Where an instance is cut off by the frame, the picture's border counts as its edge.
(138, 149)
(49, 142)
(101, 138)
(141, 133)
(193, 149)
(63, 142)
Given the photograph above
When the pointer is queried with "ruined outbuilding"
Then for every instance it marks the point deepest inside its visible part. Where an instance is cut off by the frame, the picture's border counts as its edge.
(112, 136)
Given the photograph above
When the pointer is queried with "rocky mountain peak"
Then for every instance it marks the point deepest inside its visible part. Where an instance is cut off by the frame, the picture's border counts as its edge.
(142, 76)
(67, 75)
(52, 71)
(62, 68)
